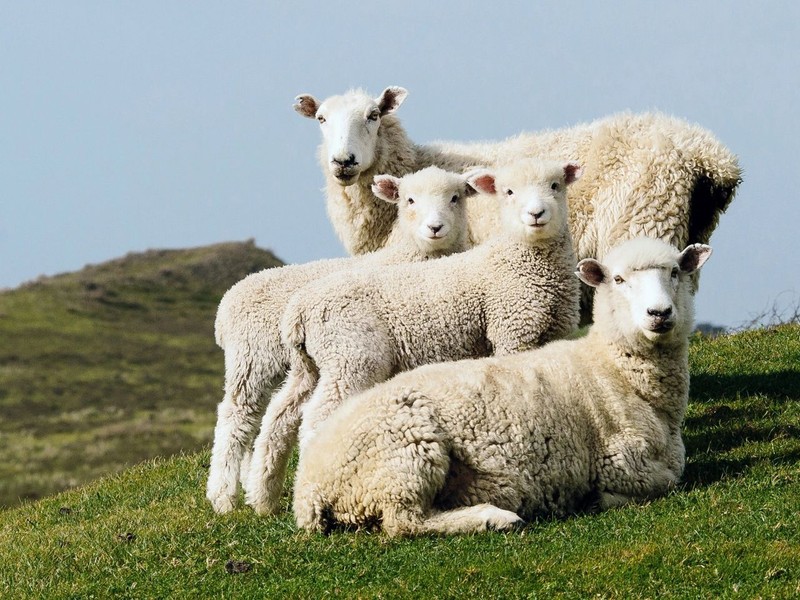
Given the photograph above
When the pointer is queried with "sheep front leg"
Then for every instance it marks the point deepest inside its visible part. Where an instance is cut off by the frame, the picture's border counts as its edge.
(632, 469)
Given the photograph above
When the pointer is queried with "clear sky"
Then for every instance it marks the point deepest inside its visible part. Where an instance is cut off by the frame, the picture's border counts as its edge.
(133, 125)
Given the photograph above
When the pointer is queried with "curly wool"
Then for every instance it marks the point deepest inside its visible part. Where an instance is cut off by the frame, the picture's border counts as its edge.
(248, 324)
(475, 444)
(645, 174)
(507, 295)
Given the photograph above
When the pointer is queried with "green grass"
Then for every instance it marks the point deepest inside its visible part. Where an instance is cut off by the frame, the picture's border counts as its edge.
(103, 368)
(730, 531)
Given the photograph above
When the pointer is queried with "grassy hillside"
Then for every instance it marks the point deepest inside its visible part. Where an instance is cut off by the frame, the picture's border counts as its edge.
(731, 530)
(108, 366)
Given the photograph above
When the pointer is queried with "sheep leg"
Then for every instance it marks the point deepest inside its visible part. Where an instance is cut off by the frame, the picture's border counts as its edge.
(629, 472)
(244, 468)
(322, 403)
(466, 519)
(332, 390)
(309, 507)
(246, 392)
(651, 482)
(273, 446)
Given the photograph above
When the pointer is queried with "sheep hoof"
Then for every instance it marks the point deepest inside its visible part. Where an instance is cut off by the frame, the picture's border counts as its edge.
(222, 504)
(265, 509)
(498, 519)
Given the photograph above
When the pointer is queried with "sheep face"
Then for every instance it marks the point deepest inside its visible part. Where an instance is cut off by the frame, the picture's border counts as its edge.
(350, 125)
(533, 194)
(431, 207)
(644, 290)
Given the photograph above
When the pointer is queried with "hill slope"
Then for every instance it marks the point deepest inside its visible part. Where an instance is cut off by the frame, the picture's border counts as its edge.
(113, 364)
(731, 530)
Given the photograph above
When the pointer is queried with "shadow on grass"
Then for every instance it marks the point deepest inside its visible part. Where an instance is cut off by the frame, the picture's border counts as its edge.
(705, 387)
(734, 411)
(721, 427)
(706, 470)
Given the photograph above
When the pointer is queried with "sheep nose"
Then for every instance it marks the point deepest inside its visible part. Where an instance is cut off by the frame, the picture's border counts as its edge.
(537, 215)
(350, 161)
(662, 313)
(435, 228)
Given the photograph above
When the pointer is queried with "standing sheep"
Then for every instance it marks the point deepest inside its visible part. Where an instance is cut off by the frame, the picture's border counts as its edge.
(510, 294)
(644, 174)
(248, 318)
(477, 444)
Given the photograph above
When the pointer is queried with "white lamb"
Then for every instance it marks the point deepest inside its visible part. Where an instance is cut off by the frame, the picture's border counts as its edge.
(644, 174)
(432, 223)
(478, 444)
(512, 293)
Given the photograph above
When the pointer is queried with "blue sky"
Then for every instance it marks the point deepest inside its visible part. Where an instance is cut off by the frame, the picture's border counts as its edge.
(133, 125)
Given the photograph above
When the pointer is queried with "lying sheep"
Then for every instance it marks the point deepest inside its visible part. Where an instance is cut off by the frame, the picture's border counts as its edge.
(645, 174)
(478, 444)
(432, 223)
(513, 293)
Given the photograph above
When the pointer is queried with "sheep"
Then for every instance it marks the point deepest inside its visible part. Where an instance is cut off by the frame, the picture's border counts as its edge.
(248, 317)
(509, 294)
(467, 446)
(645, 174)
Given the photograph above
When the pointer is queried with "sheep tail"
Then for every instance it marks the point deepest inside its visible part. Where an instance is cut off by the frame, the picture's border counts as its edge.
(293, 332)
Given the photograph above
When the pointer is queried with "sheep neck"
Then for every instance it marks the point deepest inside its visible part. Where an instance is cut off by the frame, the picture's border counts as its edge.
(519, 251)
(656, 373)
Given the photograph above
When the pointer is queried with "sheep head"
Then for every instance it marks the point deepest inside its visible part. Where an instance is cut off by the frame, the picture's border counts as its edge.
(533, 194)
(431, 207)
(350, 125)
(643, 290)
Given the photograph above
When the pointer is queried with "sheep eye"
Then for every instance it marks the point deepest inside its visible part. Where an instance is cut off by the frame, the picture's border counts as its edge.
(321, 119)
(411, 201)
(454, 199)
(674, 272)
(509, 192)
(618, 279)
(373, 116)
(554, 186)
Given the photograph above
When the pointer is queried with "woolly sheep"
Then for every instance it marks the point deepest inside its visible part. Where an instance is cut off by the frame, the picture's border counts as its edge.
(509, 294)
(477, 444)
(644, 174)
(248, 318)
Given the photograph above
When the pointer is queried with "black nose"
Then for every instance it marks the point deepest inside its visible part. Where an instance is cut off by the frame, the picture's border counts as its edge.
(661, 313)
(435, 228)
(350, 161)
(537, 215)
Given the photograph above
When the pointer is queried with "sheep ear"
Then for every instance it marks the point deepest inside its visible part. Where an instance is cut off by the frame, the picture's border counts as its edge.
(572, 172)
(693, 257)
(390, 99)
(591, 272)
(306, 105)
(386, 188)
(481, 180)
(471, 189)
